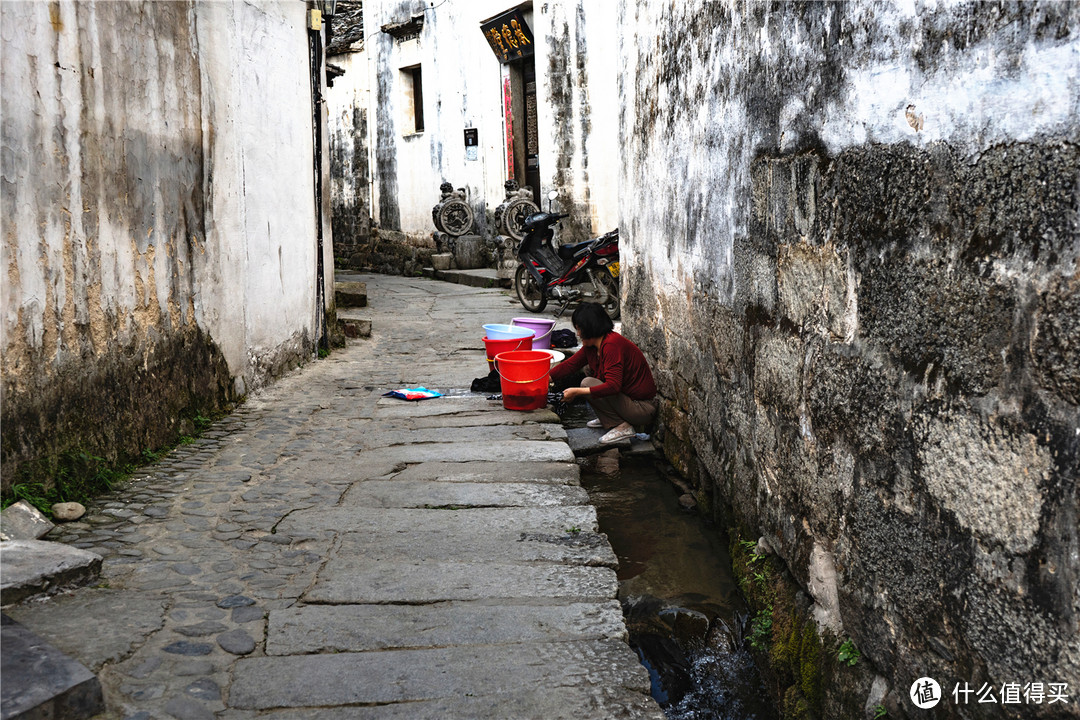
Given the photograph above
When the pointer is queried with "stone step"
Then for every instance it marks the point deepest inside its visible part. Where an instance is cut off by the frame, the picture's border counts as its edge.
(586, 441)
(602, 667)
(349, 293)
(480, 277)
(42, 682)
(355, 327)
(358, 628)
(36, 567)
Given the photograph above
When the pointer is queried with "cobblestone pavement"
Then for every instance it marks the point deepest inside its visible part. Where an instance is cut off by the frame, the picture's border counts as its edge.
(324, 552)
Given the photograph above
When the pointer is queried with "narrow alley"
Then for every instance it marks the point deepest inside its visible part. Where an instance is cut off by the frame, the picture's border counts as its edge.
(841, 243)
(327, 552)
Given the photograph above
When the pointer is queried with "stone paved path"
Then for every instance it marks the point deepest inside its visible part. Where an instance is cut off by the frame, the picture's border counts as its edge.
(325, 552)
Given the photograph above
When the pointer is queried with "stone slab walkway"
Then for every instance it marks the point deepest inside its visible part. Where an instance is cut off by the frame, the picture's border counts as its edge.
(325, 552)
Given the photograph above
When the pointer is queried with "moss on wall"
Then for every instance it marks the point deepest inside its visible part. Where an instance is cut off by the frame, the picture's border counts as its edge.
(105, 414)
(798, 661)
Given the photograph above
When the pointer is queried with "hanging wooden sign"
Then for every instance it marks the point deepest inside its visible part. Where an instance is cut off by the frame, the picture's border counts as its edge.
(508, 35)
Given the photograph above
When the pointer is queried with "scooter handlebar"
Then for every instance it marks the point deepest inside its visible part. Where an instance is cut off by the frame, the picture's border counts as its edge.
(542, 220)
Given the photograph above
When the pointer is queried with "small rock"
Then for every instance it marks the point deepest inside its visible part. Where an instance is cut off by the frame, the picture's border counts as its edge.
(147, 692)
(878, 690)
(201, 629)
(186, 569)
(607, 463)
(687, 501)
(687, 626)
(144, 668)
(234, 601)
(204, 689)
(763, 547)
(67, 511)
(236, 642)
(185, 709)
(183, 647)
(23, 521)
(247, 614)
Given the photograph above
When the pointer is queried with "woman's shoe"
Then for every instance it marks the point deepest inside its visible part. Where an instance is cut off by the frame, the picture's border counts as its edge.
(616, 435)
(594, 423)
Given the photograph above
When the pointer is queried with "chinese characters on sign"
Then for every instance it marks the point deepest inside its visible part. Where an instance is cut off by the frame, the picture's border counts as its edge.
(530, 119)
(508, 35)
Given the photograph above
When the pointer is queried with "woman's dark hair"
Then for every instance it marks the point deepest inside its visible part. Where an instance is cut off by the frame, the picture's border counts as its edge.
(591, 321)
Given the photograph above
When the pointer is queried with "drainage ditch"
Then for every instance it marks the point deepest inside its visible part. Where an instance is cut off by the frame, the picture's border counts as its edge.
(685, 616)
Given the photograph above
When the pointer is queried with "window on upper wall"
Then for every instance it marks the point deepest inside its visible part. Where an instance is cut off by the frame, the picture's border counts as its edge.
(413, 90)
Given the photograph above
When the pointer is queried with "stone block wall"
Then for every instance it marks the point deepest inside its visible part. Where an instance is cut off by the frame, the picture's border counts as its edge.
(867, 340)
(895, 388)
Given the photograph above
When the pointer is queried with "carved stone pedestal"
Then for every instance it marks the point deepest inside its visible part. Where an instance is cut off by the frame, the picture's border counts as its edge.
(470, 252)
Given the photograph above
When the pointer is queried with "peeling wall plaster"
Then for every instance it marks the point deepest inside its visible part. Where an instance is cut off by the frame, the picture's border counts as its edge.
(158, 210)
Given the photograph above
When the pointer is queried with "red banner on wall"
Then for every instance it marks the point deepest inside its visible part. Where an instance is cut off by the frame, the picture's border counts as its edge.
(508, 114)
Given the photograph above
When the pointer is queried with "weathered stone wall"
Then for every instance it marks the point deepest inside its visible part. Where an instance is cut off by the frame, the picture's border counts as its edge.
(350, 166)
(850, 246)
(577, 85)
(158, 218)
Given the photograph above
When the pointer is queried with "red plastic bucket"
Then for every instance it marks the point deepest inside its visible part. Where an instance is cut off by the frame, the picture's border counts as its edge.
(524, 375)
(494, 347)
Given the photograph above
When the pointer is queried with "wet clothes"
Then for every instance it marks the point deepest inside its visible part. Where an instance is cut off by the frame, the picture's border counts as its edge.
(563, 339)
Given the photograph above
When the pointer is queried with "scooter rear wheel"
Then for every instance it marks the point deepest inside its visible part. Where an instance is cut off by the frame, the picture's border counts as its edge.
(610, 286)
(533, 297)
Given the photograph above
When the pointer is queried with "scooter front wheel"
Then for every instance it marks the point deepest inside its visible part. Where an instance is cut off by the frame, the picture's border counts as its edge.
(533, 297)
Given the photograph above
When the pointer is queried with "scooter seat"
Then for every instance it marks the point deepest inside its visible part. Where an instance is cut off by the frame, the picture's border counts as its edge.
(574, 249)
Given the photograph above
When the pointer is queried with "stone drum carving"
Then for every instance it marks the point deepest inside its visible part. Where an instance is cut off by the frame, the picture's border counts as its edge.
(511, 214)
(452, 214)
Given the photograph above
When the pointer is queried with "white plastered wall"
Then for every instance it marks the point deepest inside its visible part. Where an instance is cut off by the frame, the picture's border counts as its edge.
(462, 82)
(228, 81)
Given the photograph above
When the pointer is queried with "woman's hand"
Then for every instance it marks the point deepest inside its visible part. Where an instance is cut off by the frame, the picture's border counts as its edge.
(574, 392)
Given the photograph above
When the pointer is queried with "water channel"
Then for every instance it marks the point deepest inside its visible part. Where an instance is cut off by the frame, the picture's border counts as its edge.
(685, 615)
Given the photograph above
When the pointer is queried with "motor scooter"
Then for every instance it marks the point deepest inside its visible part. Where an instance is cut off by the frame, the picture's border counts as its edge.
(578, 271)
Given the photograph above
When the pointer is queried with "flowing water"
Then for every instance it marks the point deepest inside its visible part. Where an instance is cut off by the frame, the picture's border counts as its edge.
(682, 607)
